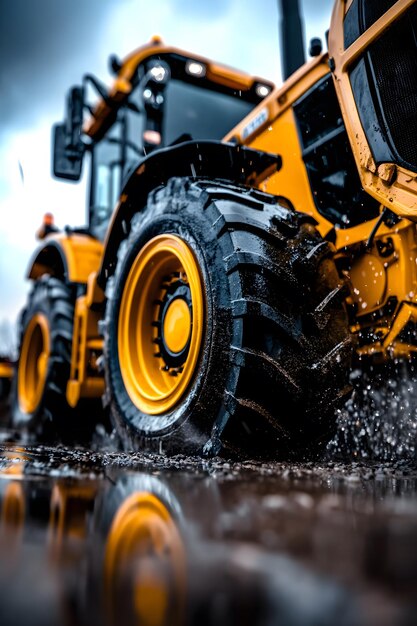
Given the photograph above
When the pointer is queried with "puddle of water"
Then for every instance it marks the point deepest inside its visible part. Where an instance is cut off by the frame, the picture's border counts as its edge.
(106, 538)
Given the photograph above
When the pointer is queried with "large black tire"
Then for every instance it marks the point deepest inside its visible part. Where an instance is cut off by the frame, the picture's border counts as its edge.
(52, 300)
(276, 349)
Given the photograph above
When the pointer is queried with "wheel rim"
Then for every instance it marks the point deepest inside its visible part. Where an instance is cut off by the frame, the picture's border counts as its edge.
(144, 545)
(33, 363)
(161, 324)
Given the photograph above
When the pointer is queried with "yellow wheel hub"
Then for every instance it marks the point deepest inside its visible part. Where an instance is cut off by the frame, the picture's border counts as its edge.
(161, 324)
(33, 363)
(177, 326)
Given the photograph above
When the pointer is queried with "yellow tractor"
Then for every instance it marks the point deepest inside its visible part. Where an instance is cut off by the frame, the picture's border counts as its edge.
(242, 242)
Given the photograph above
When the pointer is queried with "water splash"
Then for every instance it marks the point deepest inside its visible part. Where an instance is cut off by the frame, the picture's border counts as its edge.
(379, 422)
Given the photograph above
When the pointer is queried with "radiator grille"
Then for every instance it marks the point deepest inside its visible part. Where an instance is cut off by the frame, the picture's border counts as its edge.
(373, 10)
(393, 61)
(384, 81)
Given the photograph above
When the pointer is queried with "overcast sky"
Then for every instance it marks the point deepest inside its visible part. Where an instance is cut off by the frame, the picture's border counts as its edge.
(46, 45)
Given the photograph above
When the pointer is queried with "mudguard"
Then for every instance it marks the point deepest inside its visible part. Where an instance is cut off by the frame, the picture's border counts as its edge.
(72, 257)
(196, 159)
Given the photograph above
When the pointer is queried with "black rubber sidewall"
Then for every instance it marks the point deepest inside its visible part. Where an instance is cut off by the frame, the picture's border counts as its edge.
(203, 399)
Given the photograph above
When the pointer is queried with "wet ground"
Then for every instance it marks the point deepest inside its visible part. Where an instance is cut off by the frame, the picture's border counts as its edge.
(90, 537)
(96, 536)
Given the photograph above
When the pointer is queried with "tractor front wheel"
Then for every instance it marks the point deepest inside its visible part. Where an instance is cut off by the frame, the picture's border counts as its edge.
(225, 326)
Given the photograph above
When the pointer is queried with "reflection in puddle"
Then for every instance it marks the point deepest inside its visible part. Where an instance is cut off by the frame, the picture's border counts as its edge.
(144, 553)
(110, 539)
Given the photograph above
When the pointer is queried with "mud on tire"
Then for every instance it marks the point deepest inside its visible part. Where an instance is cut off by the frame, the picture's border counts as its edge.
(276, 349)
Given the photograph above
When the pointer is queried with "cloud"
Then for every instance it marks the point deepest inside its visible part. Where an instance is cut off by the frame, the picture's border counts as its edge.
(316, 17)
(43, 46)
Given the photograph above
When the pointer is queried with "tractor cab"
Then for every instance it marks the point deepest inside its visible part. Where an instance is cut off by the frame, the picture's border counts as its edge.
(161, 97)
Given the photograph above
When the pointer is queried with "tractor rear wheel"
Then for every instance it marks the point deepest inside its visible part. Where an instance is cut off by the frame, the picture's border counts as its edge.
(225, 326)
(39, 401)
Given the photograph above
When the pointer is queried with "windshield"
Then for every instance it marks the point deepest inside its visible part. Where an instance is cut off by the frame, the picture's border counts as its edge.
(199, 112)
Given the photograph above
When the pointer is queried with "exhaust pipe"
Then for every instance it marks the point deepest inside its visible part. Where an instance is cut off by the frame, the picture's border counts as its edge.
(291, 36)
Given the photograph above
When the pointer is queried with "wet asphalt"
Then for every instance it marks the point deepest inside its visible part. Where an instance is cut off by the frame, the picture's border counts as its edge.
(97, 536)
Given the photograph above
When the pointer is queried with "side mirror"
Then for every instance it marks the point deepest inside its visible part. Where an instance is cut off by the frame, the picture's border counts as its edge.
(67, 163)
(68, 145)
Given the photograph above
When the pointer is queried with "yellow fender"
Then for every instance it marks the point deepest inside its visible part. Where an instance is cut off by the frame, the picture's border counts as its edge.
(70, 256)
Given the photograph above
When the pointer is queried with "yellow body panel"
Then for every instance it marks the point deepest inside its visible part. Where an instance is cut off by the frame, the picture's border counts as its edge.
(81, 254)
(291, 181)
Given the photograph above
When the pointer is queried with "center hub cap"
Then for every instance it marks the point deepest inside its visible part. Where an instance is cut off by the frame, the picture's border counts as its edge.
(177, 326)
